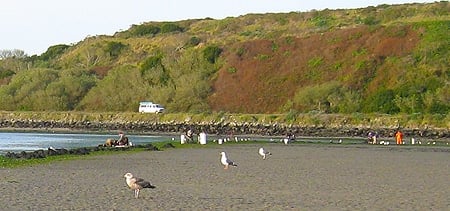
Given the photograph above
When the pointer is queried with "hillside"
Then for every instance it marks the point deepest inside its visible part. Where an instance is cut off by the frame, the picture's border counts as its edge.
(385, 59)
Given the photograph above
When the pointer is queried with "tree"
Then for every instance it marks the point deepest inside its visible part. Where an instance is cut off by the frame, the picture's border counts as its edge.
(24, 87)
(16, 53)
(120, 90)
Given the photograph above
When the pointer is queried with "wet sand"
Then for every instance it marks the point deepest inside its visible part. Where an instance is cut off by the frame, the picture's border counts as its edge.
(295, 177)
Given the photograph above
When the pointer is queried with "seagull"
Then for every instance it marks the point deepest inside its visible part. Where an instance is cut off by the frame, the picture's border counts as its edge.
(264, 153)
(137, 184)
(225, 161)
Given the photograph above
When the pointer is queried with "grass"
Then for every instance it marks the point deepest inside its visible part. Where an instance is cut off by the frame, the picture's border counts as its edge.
(14, 163)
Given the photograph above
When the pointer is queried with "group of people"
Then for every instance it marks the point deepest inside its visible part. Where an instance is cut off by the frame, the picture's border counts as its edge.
(121, 141)
(372, 137)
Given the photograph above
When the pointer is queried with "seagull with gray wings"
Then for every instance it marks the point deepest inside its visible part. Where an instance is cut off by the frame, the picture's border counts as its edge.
(137, 184)
(225, 161)
(264, 153)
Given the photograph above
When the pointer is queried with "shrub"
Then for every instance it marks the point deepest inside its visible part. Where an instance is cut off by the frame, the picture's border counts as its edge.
(262, 57)
(382, 101)
(170, 27)
(232, 70)
(439, 108)
(114, 48)
(315, 62)
(53, 52)
(289, 40)
(371, 20)
(291, 116)
(141, 30)
(274, 46)
(6, 73)
(193, 41)
(240, 51)
(150, 62)
(211, 53)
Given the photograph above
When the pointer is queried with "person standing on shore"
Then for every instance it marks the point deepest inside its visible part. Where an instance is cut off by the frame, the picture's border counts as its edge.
(121, 139)
(399, 137)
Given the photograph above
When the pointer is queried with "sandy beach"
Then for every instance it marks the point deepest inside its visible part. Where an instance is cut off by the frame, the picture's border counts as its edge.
(295, 177)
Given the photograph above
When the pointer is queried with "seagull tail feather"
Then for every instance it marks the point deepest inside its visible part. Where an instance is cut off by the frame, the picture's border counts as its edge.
(148, 185)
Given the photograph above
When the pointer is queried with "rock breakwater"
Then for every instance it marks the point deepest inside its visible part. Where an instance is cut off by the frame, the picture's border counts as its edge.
(221, 128)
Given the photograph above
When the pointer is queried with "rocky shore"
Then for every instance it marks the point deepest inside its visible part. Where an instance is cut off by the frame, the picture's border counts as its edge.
(221, 128)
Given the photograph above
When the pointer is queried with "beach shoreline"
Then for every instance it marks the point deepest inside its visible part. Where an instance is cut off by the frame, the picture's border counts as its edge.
(295, 177)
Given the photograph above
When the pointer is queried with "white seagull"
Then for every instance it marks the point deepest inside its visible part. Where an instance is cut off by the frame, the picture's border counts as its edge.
(137, 184)
(225, 161)
(264, 153)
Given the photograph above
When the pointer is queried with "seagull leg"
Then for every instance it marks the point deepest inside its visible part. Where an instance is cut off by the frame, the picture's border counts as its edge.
(226, 167)
(136, 193)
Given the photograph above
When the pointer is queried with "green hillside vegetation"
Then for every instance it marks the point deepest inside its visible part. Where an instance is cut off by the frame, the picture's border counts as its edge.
(388, 59)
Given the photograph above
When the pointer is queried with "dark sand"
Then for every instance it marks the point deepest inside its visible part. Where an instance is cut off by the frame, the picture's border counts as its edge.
(296, 177)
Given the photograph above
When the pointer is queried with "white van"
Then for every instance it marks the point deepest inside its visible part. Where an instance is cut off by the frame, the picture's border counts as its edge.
(149, 107)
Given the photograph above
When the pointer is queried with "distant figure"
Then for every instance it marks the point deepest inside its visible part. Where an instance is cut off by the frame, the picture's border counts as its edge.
(372, 137)
(109, 142)
(122, 139)
(289, 138)
(399, 137)
(202, 138)
(121, 135)
(189, 136)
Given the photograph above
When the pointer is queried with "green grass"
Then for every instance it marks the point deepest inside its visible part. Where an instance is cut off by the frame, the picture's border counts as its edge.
(14, 163)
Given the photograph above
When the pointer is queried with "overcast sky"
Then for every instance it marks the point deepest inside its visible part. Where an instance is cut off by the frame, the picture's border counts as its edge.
(35, 25)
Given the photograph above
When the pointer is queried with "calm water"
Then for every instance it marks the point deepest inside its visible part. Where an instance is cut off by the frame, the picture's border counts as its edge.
(17, 142)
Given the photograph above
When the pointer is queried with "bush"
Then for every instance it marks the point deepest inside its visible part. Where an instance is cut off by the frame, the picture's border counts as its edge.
(193, 41)
(114, 48)
(150, 62)
(53, 52)
(211, 53)
(170, 27)
(439, 108)
(142, 30)
(371, 20)
(382, 101)
(6, 73)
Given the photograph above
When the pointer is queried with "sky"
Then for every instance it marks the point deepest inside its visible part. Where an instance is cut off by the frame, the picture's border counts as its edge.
(35, 25)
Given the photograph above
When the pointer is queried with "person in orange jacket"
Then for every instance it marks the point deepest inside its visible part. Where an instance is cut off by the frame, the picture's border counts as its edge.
(399, 137)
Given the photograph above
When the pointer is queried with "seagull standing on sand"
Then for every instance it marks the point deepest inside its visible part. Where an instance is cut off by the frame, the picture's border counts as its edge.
(137, 184)
(264, 153)
(225, 161)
